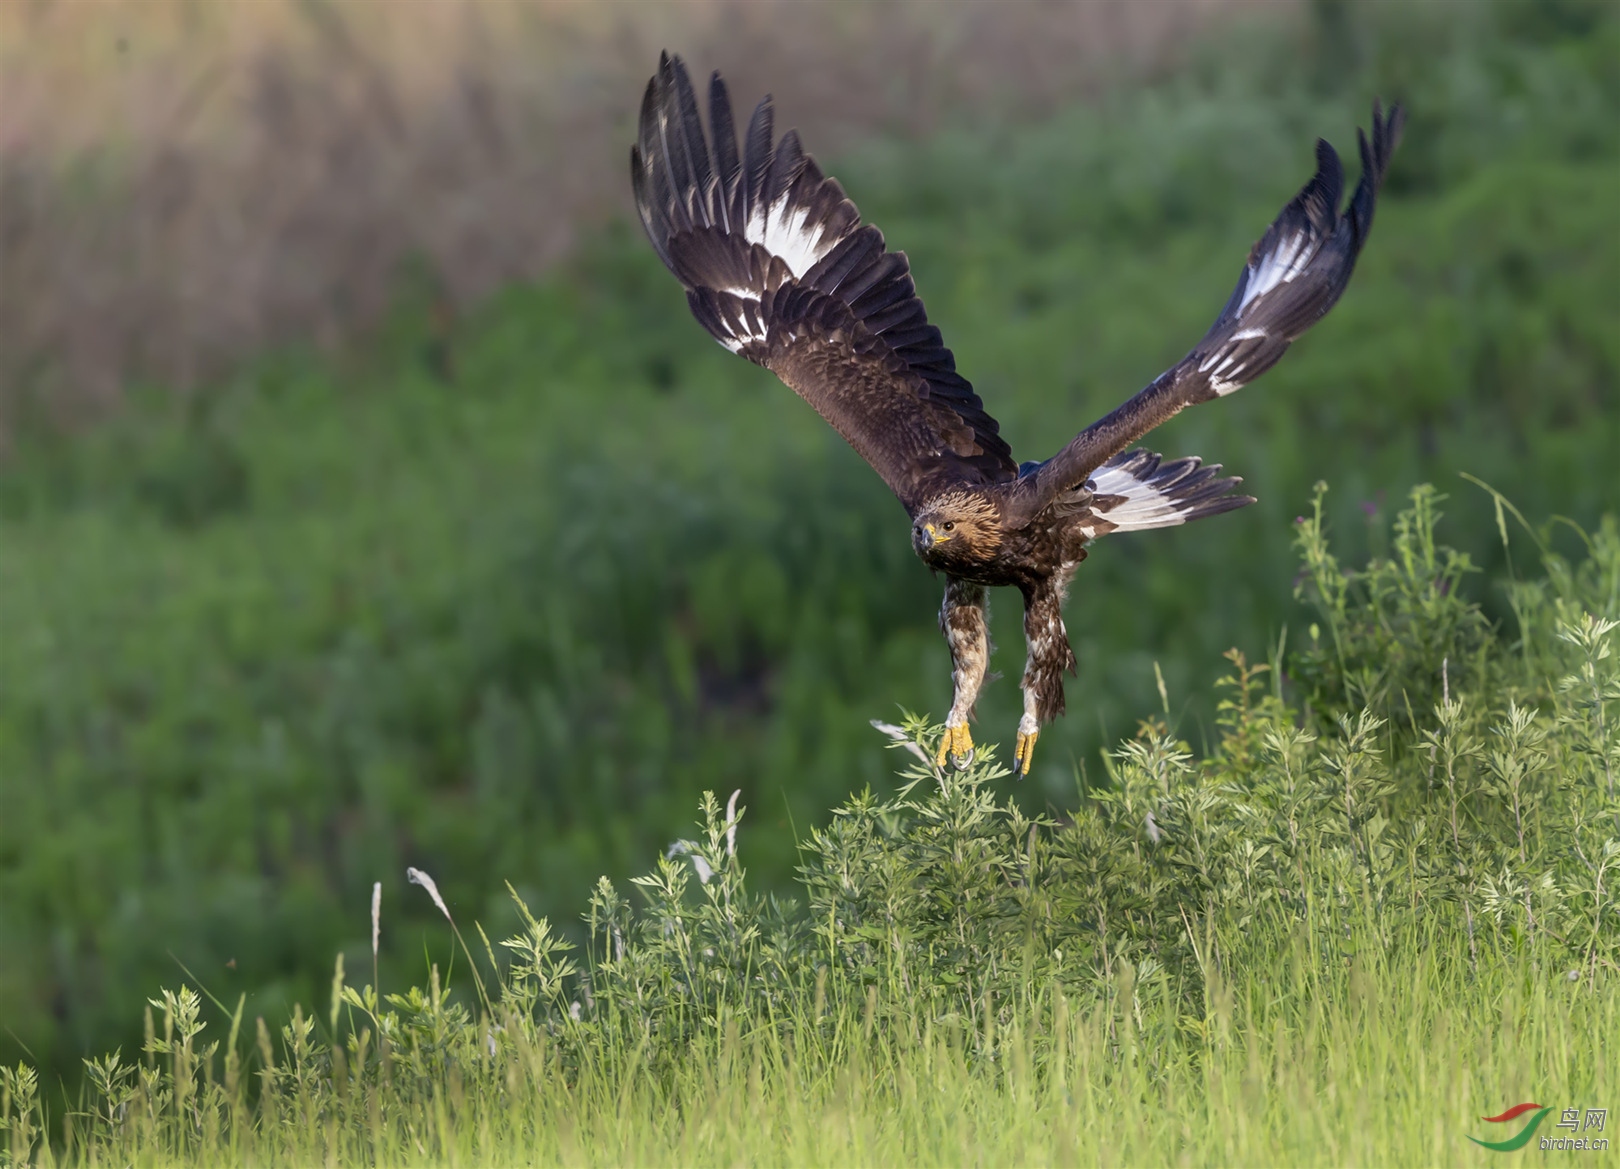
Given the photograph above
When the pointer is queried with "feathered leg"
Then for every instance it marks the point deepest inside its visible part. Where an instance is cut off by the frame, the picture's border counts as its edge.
(1049, 657)
(964, 619)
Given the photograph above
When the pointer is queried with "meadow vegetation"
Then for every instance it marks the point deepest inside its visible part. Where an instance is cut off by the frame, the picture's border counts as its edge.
(501, 591)
(186, 185)
(1366, 917)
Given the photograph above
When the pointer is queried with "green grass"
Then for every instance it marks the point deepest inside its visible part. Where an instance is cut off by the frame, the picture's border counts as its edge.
(500, 600)
(1388, 1062)
(1353, 928)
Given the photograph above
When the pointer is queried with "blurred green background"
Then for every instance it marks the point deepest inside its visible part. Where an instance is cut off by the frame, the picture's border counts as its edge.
(495, 585)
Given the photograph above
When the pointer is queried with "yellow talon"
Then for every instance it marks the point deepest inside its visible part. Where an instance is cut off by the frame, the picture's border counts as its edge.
(1025, 751)
(958, 742)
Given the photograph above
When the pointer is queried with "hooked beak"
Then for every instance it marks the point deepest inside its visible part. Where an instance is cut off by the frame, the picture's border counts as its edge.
(931, 536)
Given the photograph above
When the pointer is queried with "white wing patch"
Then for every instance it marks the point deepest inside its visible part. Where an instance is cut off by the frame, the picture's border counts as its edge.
(1282, 264)
(783, 231)
(741, 318)
(1223, 367)
(1144, 506)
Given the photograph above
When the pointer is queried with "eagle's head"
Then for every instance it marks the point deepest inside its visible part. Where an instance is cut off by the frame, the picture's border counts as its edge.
(957, 531)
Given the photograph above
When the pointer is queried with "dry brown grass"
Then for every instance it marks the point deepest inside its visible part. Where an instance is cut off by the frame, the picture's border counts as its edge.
(188, 181)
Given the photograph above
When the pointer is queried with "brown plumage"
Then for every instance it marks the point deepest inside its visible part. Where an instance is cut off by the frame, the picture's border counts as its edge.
(779, 269)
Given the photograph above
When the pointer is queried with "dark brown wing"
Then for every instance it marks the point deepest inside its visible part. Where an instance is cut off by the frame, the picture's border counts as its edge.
(1295, 274)
(779, 269)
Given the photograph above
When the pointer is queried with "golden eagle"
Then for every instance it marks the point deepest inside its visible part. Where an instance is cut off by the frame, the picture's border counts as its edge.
(778, 268)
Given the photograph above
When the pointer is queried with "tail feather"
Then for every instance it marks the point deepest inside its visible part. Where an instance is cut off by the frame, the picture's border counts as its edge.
(1137, 490)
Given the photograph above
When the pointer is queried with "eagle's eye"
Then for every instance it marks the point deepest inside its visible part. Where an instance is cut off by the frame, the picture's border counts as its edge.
(950, 525)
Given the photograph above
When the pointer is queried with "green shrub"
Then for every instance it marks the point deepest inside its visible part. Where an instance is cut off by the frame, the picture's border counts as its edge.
(1326, 854)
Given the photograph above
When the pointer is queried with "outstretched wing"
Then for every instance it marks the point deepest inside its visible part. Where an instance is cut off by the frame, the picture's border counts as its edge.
(779, 269)
(1294, 276)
